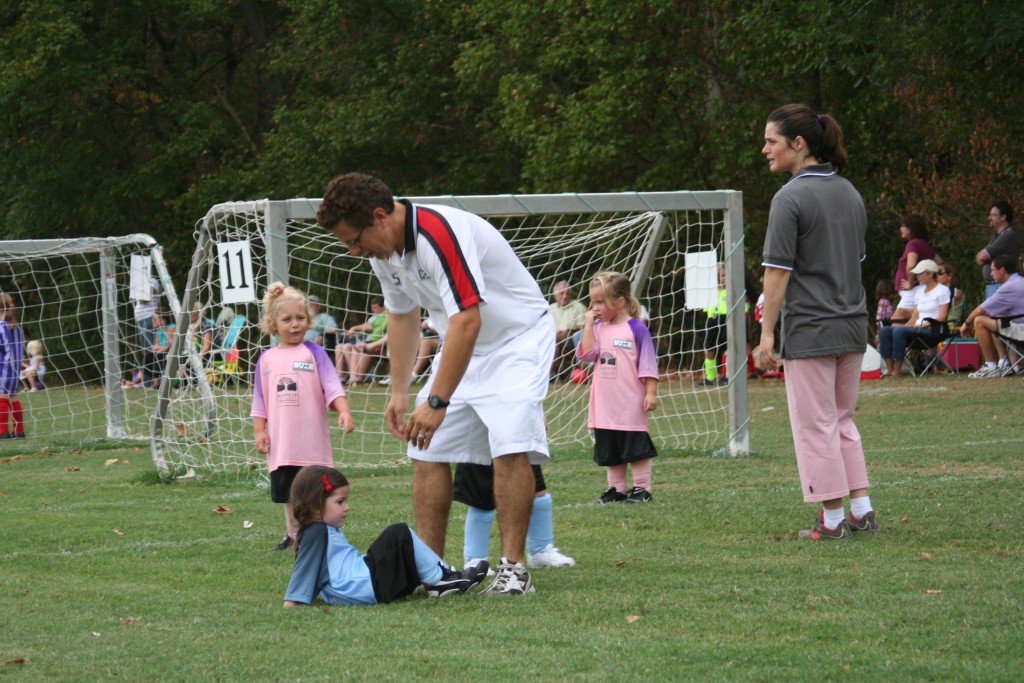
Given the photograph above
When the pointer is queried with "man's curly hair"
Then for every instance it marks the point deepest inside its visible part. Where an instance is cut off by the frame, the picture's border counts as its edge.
(351, 198)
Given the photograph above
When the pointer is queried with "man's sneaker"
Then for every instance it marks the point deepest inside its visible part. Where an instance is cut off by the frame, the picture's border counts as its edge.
(285, 543)
(638, 495)
(512, 579)
(549, 557)
(986, 372)
(612, 495)
(866, 524)
(453, 581)
(820, 532)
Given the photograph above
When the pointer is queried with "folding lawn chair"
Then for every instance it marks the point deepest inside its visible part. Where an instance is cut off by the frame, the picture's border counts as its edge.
(1010, 330)
(923, 351)
(224, 365)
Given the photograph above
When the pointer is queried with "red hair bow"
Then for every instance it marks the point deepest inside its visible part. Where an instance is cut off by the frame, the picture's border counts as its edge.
(327, 484)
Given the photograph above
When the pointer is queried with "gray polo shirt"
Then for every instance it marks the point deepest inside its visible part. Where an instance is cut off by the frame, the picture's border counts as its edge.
(1007, 242)
(816, 230)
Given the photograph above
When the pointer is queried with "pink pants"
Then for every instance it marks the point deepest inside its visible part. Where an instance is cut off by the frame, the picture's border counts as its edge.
(822, 394)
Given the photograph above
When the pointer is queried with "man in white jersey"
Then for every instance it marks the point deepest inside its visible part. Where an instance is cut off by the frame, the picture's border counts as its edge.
(484, 401)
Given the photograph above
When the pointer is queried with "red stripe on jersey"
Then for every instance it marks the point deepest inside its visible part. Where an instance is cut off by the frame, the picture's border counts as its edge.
(435, 228)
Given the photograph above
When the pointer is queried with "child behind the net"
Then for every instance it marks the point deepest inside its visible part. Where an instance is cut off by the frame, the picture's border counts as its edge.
(34, 366)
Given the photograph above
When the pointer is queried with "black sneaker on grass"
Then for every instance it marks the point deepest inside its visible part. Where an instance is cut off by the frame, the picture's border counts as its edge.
(820, 532)
(285, 543)
(612, 495)
(638, 495)
(866, 524)
(454, 581)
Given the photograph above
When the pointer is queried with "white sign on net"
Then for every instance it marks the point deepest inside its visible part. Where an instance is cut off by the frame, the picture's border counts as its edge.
(237, 285)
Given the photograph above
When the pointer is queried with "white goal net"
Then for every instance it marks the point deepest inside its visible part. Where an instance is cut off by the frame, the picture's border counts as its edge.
(668, 243)
(75, 298)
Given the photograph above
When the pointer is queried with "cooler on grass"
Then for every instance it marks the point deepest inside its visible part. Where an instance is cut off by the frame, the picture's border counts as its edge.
(962, 354)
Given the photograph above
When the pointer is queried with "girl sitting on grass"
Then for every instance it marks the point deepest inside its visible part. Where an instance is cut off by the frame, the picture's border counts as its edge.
(328, 565)
(34, 366)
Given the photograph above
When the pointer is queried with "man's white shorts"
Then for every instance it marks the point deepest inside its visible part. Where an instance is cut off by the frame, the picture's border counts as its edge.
(498, 407)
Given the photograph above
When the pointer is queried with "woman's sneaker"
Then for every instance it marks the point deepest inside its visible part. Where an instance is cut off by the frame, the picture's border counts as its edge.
(866, 524)
(512, 579)
(820, 532)
(611, 495)
(638, 495)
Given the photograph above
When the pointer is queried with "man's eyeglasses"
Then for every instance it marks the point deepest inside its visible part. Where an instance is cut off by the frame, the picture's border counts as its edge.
(355, 242)
(945, 272)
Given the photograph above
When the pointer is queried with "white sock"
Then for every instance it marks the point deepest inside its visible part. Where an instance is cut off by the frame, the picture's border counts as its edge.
(1003, 362)
(860, 506)
(834, 518)
(990, 365)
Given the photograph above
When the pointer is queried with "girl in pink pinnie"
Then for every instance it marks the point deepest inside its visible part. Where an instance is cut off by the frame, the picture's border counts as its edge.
(295, 384)
(624, 389)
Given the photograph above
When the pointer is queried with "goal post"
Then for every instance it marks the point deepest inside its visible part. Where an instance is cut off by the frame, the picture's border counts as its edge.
(74, 296)
(652, 237)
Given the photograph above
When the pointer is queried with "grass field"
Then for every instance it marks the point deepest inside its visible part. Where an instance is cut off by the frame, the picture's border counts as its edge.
(108, 573)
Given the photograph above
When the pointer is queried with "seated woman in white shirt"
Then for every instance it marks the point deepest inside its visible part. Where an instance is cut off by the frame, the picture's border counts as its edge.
(931, 302)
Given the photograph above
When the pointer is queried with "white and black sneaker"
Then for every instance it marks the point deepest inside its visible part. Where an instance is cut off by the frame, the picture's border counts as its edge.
(512, 579)
(453, 581)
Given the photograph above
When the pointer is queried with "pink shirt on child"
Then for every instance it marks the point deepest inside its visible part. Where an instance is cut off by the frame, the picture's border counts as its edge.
(623, 357)
(293, 389)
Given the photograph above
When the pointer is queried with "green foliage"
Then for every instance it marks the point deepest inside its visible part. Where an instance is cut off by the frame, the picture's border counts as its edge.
(136, 117)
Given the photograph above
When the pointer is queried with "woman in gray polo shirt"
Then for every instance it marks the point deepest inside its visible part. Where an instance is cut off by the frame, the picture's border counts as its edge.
(812, 255)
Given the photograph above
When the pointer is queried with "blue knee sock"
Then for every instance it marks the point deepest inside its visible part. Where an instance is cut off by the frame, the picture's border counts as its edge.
(477, 533)
(428, 564)
(541, 532)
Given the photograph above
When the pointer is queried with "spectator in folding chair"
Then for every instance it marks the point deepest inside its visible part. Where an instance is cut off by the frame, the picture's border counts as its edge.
(322, 321)
(568, 315)
(1006, 303)
(927, 319)
(346, 355)
(949, 276)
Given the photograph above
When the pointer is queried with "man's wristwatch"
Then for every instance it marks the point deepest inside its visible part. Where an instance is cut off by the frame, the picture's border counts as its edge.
(436, 402)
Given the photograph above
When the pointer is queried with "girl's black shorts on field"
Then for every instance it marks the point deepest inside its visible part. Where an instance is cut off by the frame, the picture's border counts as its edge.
(616, 447)
(281, 483)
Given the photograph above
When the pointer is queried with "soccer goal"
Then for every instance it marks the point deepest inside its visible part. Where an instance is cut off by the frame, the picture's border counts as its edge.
(671, 245)
(75, 297)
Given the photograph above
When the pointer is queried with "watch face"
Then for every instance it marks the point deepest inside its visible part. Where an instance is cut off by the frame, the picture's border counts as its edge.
(435, 401)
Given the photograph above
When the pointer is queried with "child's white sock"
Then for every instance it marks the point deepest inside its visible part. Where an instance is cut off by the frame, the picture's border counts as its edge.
(860, 506)
(833, 518)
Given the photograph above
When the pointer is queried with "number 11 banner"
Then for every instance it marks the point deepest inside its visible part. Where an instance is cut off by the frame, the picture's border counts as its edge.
(236, 281)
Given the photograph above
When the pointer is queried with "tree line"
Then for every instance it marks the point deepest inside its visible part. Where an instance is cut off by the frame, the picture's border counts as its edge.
(123, 116)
